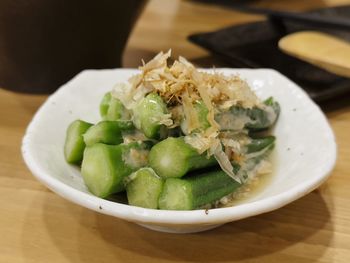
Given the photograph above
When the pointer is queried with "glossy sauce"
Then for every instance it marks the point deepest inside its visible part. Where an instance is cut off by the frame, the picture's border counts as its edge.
(253, 187)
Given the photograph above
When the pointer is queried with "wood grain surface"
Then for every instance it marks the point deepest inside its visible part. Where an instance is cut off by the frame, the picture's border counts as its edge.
(37, 225)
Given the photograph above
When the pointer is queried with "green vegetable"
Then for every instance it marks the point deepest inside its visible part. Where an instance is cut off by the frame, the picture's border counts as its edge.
(108, 132)
(111, 109)
(173, 157)
(195, 191)
(144, 188)
(104, 167)
(237, 118)
(148, 113)
(174, 179)
(260, 149)
(259, 144)
(202, 113)
(261, 119)
(74, 145)
(104, 105)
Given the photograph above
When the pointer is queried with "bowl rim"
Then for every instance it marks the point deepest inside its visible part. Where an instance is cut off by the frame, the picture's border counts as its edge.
(201, 216)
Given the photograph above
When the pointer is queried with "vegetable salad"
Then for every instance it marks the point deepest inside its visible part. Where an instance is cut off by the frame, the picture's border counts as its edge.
(174, 137)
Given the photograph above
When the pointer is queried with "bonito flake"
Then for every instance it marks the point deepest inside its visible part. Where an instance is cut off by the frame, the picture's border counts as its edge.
(181, 85)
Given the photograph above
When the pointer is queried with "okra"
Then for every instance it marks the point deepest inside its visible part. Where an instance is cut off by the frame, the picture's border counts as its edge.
(148, 114)
(259, 144)
(104, 105)
(105, 167)
(173, 157)
(143, 188)
(237, 118)
(74, 145)
(111, 109)
(108, 132)
(202, 113)
(195, 191)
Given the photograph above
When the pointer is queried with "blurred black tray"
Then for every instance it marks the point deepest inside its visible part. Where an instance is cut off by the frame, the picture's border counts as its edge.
(254, 45)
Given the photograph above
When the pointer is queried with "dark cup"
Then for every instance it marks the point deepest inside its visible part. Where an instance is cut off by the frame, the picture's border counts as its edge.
(44, 43)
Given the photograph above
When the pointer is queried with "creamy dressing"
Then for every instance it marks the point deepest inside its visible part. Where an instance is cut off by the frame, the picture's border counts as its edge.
(136, 158)
(134, 136)
(229, 121)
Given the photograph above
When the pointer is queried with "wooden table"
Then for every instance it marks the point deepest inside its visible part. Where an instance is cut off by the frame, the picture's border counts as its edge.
(37, 225)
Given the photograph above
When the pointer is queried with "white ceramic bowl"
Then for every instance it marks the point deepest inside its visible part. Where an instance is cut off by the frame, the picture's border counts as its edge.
(305, 150)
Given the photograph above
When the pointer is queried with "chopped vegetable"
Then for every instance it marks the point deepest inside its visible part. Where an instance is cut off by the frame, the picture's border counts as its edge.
(108, 132)
(195, 191)
(150, 114)
(259, 144)
(173, 157)
(104, 167)
(256, 118)
(74, 145)
(143, 188)
(111, 109)
(200, 118)
(104, 105)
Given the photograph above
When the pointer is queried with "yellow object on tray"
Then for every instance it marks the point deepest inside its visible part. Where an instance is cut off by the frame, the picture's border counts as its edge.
(320, 49)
